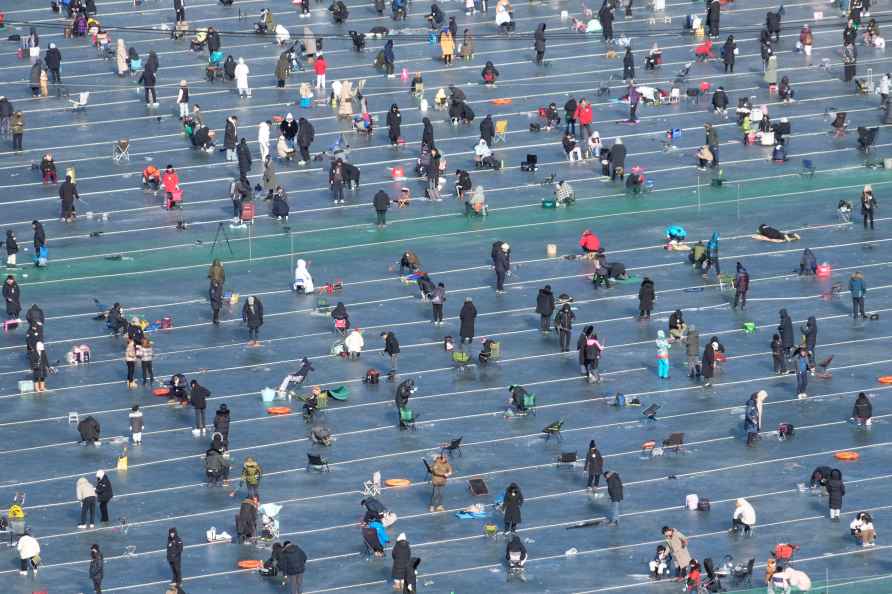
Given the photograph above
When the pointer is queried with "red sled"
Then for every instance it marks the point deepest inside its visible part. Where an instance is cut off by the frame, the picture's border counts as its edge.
(784, 551)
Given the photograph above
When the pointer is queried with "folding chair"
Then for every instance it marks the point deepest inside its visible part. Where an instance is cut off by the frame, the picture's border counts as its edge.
(121, 150)
(407, 419)
(743, 576)
(501, 131)
(675, 440)
(80, 103)
(553, 430)
(317, 462)
(453, 446)
(372, 488)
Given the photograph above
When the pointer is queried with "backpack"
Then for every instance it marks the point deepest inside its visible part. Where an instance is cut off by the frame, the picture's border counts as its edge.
(372, 376)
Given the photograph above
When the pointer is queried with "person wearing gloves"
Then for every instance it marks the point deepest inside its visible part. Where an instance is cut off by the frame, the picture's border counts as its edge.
(104, 494)
(743, 518)
(303, 280)
(175, 556)
(97, 568)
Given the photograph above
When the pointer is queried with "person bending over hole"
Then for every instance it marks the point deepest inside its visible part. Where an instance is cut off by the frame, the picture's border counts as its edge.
(297, 377)
(516, 556)
(862, 529)
(774, 235)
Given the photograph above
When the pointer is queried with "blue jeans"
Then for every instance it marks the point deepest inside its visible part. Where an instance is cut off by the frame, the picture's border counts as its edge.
(663, 368)
(613, 512)
(801, 382)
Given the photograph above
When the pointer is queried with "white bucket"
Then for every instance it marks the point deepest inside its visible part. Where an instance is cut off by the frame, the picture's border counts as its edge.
(267, 394)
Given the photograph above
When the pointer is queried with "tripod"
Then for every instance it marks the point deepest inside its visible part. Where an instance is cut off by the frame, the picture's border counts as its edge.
(221, 229)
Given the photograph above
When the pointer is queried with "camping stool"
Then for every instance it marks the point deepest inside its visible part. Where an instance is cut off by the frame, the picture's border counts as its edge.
(749, 327)
(121, 150)
(73, 418)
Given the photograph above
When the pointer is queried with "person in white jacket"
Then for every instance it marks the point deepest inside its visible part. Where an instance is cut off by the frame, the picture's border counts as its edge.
(303, 281)
(863, 530)
(29, 552)
(744, 517)
(183, 99)
(283, 37)
(241, 78)
(263, 140)
(86, 494)
(354, 343)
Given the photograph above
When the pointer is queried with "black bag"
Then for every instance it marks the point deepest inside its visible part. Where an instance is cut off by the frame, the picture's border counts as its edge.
(534, 127)
(785, 430)
(372, 376)
(14, 37)
(703, 504)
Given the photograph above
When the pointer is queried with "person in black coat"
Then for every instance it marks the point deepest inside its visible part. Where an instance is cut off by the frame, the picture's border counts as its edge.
(487, 129)
(215, 296)
(810, 333)
(863, 409)
(213, 40)
(39, 236)
(467, 315)
(243, 154)
(252, 314)
(563, 322)
(293, 565)
(646, 297)
(401, 555)
(785, 329)
(628, 65)
(148, 80)
(381, 202)
(836, 489)
(198, 397)
(489, 73)
(340, 316)
(12, 296)
(89, 430)
(53, 61)
(104, 494)
(594, 465)
(68, 194)
(246, 520)
(427, 134)
(741, 286)
(221, 424)
(615, 492)
(403, 392)
(539, 43)
(175, 556)
(773, 24)
(179, 8)
(713, 12)
(394, 121)
(97, 568)
(305, 136)
(391, 349)
(728, 53)
(511, 505)
(516, 550)
(410, 580)
(502, 264)
(35, 320)
(544, 307)
(605, 17)
(230, 137)
(12, 247)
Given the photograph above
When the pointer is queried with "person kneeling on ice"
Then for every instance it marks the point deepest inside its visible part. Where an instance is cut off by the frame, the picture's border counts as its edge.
(675, 236)
(659, 566)
(862, 529)
(298, 377)
(303, 281)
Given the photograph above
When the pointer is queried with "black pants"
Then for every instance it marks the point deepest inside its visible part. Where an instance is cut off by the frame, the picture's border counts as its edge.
(88, 507)
(564, 336)
(500, 280)
(337, 191)
(103, 511)
(510, 526)
(181, 15)
(643, 313)
(543, 323)
(736, 524)
(388, 67)
(740, 296)
(280, 83)
(131, 370)
(150, 92)
(175, 569)
(304, 153)
(216, 315)
(729, 67)
(17, 141)
(714, 149)
(633, 112)
(148, 374)
(539, 57)
(381, 217)
(780, 363)
(438, 311)
(54, 75)
(236, 209)
(858, 307)
(253, 333)
(199, 418)
(868, 217)
(97, 585)
(594, 479)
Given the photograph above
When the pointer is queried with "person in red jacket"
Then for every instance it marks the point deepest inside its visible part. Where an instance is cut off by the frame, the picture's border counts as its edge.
(584, 117)
(589, 242)
(319, 66)
(171, 182)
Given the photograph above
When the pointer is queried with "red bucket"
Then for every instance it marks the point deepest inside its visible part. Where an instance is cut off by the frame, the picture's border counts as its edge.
(823, 270)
